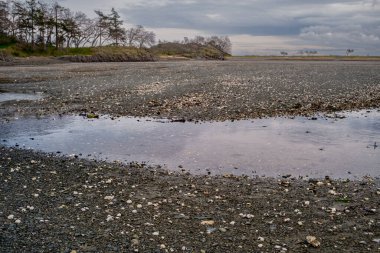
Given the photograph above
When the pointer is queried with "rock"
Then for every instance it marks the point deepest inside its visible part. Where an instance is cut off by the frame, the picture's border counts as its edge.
(208, 222)
(376, 240)
(156, 233)
(109, 197)
(312, 240)
(135, 242)
(11, 217)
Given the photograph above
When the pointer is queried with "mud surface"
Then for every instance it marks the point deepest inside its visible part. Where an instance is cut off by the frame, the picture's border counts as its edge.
(58, 204)
(195, 90)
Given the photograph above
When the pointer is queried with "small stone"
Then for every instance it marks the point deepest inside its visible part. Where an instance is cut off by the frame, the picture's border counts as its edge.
(261, 239)
(376, 240)
(363, 242)
(11, 217)
(109, 197)
(134, 211)
(156, 233)
(260, 245)
(139, 206)
(135, 242)
(208, 222)
(223, 230)
(129, 201)
(307, 203)
(18, 221)
(109, 218)
(162, 246)
(312, 240)
(232, 223)
(300, 223)
(332, 192)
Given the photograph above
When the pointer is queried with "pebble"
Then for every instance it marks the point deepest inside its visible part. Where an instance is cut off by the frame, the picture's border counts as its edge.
(109, 197)
(18, 221)
(156, 233)
(312, 240)
(129, 201)
(208, 222)
(135, 242)
(134, 211)
(139, 206)
(10, 217)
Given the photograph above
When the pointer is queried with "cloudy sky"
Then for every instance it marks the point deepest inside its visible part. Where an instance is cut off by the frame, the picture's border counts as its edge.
(256, 26)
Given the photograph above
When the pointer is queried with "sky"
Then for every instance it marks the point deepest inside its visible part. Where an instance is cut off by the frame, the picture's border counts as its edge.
(256, 27)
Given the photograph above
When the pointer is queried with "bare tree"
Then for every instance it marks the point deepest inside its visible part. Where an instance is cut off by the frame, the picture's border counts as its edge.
(4, 21)
(145, 38)
(87, 30)
(199, 40)
(138, 36)
(222, 43)
(349, 51)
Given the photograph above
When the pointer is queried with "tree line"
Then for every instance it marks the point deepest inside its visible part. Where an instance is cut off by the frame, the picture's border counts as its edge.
(42, 24)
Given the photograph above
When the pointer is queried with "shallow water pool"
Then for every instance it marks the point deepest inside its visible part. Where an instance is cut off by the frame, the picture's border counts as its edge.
(339, 148)
(10, 96)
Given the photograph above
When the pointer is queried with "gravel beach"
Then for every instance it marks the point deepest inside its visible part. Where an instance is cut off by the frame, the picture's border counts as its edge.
(51, 203)
(194, 90)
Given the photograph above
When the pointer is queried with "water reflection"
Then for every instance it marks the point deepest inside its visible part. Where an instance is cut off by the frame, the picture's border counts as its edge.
(9, 96)
(341, 148)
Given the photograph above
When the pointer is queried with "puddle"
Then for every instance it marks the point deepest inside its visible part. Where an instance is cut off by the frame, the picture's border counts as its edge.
(10, 96)
(343, 148)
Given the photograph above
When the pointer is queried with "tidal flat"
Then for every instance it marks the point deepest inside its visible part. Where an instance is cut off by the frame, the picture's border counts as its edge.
(54, 202)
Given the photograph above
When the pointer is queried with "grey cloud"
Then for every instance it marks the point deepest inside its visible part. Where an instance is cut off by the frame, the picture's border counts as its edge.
(330, 23)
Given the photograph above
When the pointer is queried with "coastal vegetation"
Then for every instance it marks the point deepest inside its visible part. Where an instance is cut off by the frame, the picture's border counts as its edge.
(37, 28)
